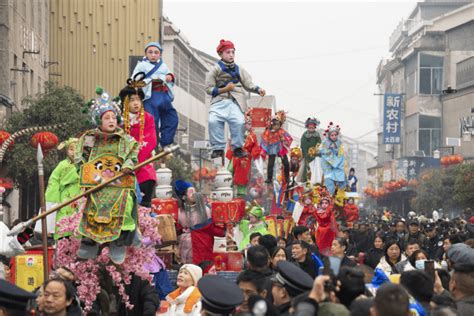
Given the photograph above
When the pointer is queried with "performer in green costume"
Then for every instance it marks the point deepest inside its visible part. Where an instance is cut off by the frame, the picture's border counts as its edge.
(254, 224)
(310, 141)
(110, 214)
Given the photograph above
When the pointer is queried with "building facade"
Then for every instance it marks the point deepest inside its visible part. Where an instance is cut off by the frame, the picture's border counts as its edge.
(92, 41)
(24, 35)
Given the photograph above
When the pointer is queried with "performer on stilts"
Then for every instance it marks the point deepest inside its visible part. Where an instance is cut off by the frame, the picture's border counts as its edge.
(310, 142)
(226, 83)
(332, 159)
(141, 126)
(243, 166)
(110, 214)
(158, 93)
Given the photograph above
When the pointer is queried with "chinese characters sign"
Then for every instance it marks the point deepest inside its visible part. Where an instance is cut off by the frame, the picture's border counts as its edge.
(391, 118)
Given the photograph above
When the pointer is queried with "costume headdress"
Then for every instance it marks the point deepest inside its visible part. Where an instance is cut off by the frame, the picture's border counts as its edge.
(180, 187)
(134, 87)
(67, 143)
(279, 116)
(101, 105)
(296, 152)
(153, 44)
(312, 120)
(256, 211)
(332, 128)
(320, 193)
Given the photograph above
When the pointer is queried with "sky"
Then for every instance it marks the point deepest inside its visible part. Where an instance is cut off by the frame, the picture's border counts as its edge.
(318, 58)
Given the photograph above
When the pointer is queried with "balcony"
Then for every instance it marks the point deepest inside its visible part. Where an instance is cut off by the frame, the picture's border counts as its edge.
(397, 36)
(465, 73)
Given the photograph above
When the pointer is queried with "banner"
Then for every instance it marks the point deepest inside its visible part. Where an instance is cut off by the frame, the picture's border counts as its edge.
(391, 118)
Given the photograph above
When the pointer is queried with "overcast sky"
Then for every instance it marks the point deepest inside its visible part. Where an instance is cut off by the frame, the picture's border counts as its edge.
(318, 58)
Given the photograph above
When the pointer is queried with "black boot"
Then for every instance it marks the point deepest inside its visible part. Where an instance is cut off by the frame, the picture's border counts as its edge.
(217, 154)
(240, 153)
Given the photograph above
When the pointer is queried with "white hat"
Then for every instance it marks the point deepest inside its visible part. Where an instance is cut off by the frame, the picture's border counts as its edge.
(194, 271)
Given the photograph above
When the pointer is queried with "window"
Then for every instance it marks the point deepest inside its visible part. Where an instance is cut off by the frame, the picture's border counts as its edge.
(429, 136)
(431, 74)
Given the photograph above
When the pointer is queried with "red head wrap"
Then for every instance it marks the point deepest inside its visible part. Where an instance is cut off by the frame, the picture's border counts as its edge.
(223, 45)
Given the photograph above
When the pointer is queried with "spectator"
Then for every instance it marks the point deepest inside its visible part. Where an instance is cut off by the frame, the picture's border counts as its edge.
(373, 256)
(281, 242)
(278, 254)
(392, 256)
(391, 300)
(433, 244)
(352, 285)
(414, 233)
(462, 288)
(351, 250)
(251, 283)
(363, 238)
(258, 260)
(268, 241)
(361, 307)
(302, 256)
(412, 246)
(58, 296)
(254, 237)
(420, 285)
(338, 249)
(186, 299)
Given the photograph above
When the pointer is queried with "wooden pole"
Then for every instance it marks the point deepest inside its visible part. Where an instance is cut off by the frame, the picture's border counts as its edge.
(44, 225)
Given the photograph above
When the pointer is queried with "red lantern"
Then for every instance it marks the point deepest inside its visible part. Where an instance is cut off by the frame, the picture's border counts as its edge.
(444, 161)
(47, 140)
(3, 137)
(204, 172)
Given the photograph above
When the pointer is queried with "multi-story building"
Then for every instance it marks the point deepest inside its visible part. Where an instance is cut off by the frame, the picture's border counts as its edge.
(92, 41)
(430, 51)
(24, 60)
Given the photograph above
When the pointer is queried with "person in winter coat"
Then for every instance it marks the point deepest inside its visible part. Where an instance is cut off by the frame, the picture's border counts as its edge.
(392, 255)
(186, 299)
(373, 256)
(338, 249)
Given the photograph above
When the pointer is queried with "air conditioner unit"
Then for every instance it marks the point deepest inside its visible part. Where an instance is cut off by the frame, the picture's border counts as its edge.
(388, 148)
(418, 153)
(201, 144)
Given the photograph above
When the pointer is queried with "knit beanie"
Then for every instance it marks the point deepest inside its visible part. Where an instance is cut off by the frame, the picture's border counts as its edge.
(194, 271)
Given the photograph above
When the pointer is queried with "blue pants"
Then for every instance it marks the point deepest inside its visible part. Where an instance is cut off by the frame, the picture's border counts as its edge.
(331, 185)
(166, 117)
(219, 113)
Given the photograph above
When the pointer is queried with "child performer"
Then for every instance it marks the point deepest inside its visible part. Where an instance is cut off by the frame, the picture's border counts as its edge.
(332, 159)
(310, 142)
(351, 212)
(276, 142)
(110, 214)
(159, 94)
(227, 83)
(63, 184)
(141, 126)
(242, 166)
(255, 224)
(327, 227)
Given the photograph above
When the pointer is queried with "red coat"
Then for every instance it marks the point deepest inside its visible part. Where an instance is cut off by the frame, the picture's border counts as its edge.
(308, 210)
(326, 231)
(351, 213)
(202, 241)
(149, 143)
(242, 166)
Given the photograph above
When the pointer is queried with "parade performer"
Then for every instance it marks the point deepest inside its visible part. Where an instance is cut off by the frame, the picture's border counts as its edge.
(159, 93)
(351, 212)
(255, 224)
(327, 227)
(352, 179)
(295, 164)
(110, 214)
(141, 126)
(276, 142)
(241, 167)
(226, 83)
(310, 142)
(63, 184)
(332, 159)
(194, 221)
(308, 208)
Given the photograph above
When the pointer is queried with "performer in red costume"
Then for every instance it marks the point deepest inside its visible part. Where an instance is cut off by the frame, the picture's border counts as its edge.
(351, 212)
(327, 227)
(243, 165)
(308, 208)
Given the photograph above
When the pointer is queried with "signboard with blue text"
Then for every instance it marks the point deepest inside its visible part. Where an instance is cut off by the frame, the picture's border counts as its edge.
(392, 107)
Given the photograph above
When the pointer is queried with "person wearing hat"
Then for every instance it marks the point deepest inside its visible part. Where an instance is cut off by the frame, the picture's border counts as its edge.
(227, 84)
(310, 142)
(195, 222)
(255, 224)
(219, 296)
(141, 126)
(63, 184)
(461, 287)
(433, 243)
(289, 282)
(12, 298)
(332, 159)
(414, 233)
(158, 92)
(186, 299)
(109, 215)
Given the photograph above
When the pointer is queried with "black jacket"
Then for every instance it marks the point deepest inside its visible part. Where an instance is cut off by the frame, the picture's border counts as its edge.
(309, 267)
(373, 256)
(143, 297)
